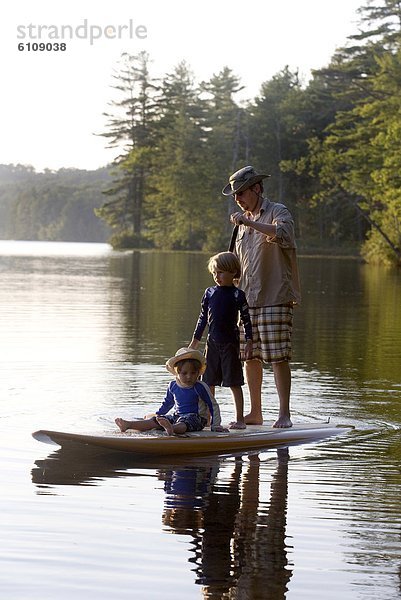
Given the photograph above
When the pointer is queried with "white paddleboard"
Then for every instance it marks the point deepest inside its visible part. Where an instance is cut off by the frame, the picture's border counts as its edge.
(202, 442)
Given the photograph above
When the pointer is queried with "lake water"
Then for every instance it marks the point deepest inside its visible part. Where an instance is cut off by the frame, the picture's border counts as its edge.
(84, 334)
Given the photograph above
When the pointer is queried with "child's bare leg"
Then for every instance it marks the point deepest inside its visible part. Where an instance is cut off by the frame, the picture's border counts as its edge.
(238, 396)
(166, 425)
(142, 425)
(179, 428)
(169, 428)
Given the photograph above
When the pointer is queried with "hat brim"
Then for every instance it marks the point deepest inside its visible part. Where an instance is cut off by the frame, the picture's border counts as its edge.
(228, 190)
(191, 354)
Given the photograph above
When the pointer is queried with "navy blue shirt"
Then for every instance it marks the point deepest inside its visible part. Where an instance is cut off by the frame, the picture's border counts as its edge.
(220, 307)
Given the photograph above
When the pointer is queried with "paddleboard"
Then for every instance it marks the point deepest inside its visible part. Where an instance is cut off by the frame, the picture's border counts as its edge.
(201, 442)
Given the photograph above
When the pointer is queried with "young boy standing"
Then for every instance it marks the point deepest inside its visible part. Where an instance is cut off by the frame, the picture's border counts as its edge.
(221, 306)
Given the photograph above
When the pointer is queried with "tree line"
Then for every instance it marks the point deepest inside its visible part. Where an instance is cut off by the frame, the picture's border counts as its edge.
(332, 147)
(53, 206)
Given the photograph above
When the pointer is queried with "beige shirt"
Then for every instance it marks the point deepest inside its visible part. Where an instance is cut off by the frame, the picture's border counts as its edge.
(269, 264)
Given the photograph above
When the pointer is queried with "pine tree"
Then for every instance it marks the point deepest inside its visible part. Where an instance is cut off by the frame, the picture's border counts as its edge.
(175, 200)
(131, 130)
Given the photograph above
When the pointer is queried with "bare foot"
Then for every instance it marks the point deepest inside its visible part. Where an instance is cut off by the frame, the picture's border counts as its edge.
(165, 423)
(122, 424)
(283, 422)
(254, 419)
(237, 425)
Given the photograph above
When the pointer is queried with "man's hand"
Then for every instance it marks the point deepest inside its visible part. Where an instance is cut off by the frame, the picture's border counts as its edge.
(239, 218)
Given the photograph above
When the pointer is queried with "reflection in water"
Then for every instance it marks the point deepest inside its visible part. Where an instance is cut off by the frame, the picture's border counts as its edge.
(349, 321)
(238, 544)
(217, 567)
(239, 538)
(75, 464)
(261, 534)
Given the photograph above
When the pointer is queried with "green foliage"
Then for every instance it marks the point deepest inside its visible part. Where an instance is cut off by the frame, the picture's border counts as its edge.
(355, 157)
(194, 130)
(360, 157)
(126, 240)
(131, 128)
(51, 205)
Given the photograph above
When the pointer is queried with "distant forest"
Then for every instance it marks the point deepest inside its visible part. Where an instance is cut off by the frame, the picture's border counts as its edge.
(53, 206)
(332, 147)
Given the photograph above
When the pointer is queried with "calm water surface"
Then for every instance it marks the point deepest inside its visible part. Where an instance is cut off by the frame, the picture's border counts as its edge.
(84, 333)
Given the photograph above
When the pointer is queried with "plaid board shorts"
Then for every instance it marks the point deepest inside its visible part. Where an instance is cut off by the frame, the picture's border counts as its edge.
(272, 329)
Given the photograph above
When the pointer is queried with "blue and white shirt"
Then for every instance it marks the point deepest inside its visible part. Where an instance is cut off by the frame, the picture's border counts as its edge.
(221, 306)
(197, 399)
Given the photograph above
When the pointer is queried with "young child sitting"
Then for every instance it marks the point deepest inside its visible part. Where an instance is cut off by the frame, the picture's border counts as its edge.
(221, 306)
(190, 398)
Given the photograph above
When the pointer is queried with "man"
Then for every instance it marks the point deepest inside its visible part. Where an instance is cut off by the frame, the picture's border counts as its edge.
(265, 246)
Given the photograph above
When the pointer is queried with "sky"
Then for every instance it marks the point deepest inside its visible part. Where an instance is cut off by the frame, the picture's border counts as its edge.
(52, 102)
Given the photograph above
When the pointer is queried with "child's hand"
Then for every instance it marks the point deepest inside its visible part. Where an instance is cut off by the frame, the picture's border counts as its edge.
(248, 350)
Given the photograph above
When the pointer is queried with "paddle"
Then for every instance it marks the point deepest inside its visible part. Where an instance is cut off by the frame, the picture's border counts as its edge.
(234, 234)
(233, 238)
